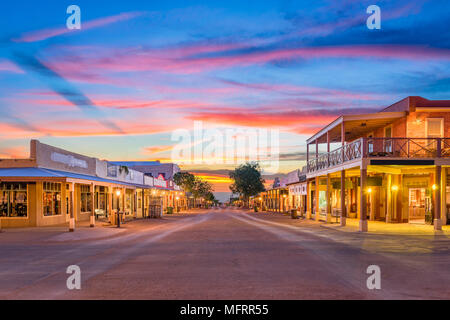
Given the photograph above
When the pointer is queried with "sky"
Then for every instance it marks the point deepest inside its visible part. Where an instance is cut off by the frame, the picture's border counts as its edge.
(138, 73)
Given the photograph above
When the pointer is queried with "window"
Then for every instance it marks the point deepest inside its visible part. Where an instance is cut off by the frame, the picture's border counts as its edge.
(52, 199)
(86, 198)
(13, 199)
(435, 128)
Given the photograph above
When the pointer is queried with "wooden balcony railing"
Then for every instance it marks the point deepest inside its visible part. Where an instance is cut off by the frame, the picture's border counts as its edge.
(382, 148)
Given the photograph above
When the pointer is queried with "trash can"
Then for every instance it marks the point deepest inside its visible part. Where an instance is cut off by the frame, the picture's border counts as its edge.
(294, 214)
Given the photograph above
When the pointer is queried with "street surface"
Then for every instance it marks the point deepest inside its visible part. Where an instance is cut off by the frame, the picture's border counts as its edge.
(221, 254)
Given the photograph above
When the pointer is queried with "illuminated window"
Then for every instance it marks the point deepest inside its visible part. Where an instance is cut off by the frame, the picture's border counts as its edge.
(86, 198)
(13, 199)
(52, 198)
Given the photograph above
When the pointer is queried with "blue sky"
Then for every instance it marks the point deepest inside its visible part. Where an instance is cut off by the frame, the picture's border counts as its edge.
(138, 70)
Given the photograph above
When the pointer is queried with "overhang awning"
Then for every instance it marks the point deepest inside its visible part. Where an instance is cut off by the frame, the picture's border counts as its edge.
(35, 172)
(355, 126)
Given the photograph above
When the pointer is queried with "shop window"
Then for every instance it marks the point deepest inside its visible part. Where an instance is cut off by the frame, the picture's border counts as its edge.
(52, 198)
(13, 199)
(86, 198)
(128, 203)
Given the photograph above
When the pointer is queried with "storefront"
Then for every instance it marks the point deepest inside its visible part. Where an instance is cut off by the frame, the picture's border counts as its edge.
(55, 186)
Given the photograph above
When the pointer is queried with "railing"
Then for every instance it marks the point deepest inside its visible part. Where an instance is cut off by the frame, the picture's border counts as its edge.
(381, 148)
(407, 147)
(336, 157)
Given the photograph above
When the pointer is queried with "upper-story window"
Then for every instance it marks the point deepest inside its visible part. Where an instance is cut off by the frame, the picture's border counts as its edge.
(435, 127)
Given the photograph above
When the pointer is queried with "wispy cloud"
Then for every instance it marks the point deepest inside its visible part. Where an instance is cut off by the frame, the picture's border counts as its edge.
(40, 35)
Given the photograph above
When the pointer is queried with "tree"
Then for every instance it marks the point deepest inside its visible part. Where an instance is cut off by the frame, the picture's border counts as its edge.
(247, 180)
(190, 183)
(185, 180)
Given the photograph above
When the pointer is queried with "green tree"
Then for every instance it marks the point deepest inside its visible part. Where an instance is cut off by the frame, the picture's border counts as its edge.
(247, 180)
(198, 187)
(185, 180)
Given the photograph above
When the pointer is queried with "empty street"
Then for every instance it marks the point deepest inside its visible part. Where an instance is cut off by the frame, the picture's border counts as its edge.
(221, 254)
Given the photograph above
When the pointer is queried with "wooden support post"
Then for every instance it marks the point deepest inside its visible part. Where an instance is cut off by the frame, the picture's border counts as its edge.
(437, 199)
(343, 207)
(92, 224)
(317, 216)
(72, 213)
(328, 200)
(363, 225)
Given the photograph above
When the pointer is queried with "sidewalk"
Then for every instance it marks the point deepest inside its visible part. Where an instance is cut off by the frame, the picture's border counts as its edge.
(352, 226)
(379, 227)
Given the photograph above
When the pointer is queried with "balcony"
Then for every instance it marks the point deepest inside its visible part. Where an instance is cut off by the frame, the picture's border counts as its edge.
(382, 148)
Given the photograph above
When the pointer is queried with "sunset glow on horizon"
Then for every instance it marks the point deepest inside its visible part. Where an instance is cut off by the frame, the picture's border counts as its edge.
(136, 71)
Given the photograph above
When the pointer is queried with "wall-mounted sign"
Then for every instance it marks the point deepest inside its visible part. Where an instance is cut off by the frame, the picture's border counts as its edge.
(160, 181)
(111, 170)
(69, 160)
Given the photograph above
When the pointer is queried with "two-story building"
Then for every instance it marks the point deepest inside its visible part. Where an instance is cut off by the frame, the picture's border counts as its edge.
(391, 165)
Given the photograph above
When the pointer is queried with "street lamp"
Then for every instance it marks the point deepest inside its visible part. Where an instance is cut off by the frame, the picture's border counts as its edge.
(118, 206)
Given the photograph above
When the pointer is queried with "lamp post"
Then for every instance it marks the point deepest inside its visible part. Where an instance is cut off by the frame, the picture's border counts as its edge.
(118, 207)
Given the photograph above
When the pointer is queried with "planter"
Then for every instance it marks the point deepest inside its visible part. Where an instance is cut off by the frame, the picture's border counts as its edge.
(428, 218)
(294, 214)
(169, 210)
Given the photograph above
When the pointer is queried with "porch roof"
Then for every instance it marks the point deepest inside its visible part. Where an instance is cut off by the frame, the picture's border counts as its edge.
(35, 172)
(355, 126)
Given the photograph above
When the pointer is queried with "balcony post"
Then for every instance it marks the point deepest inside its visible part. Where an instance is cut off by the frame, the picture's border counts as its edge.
(307, 156)
(342, 140)
(328, 149)
(364, 148)
(437, 199)
(317, 155)
(438, 148)
(343, 208)
(363, 201)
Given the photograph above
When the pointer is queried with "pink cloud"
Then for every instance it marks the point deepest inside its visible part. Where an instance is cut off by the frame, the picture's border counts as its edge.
(190, 60)
(6, 65)
(53, 32)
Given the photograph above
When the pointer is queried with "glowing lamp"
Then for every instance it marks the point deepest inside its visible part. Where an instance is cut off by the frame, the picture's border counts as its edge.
(394, 188)
(434, 187)
(118, 193)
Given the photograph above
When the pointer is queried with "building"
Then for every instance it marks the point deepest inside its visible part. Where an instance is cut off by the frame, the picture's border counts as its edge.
(56, 186)
(391, 165)
(275, 199)
(163, 174)
(296, 183)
